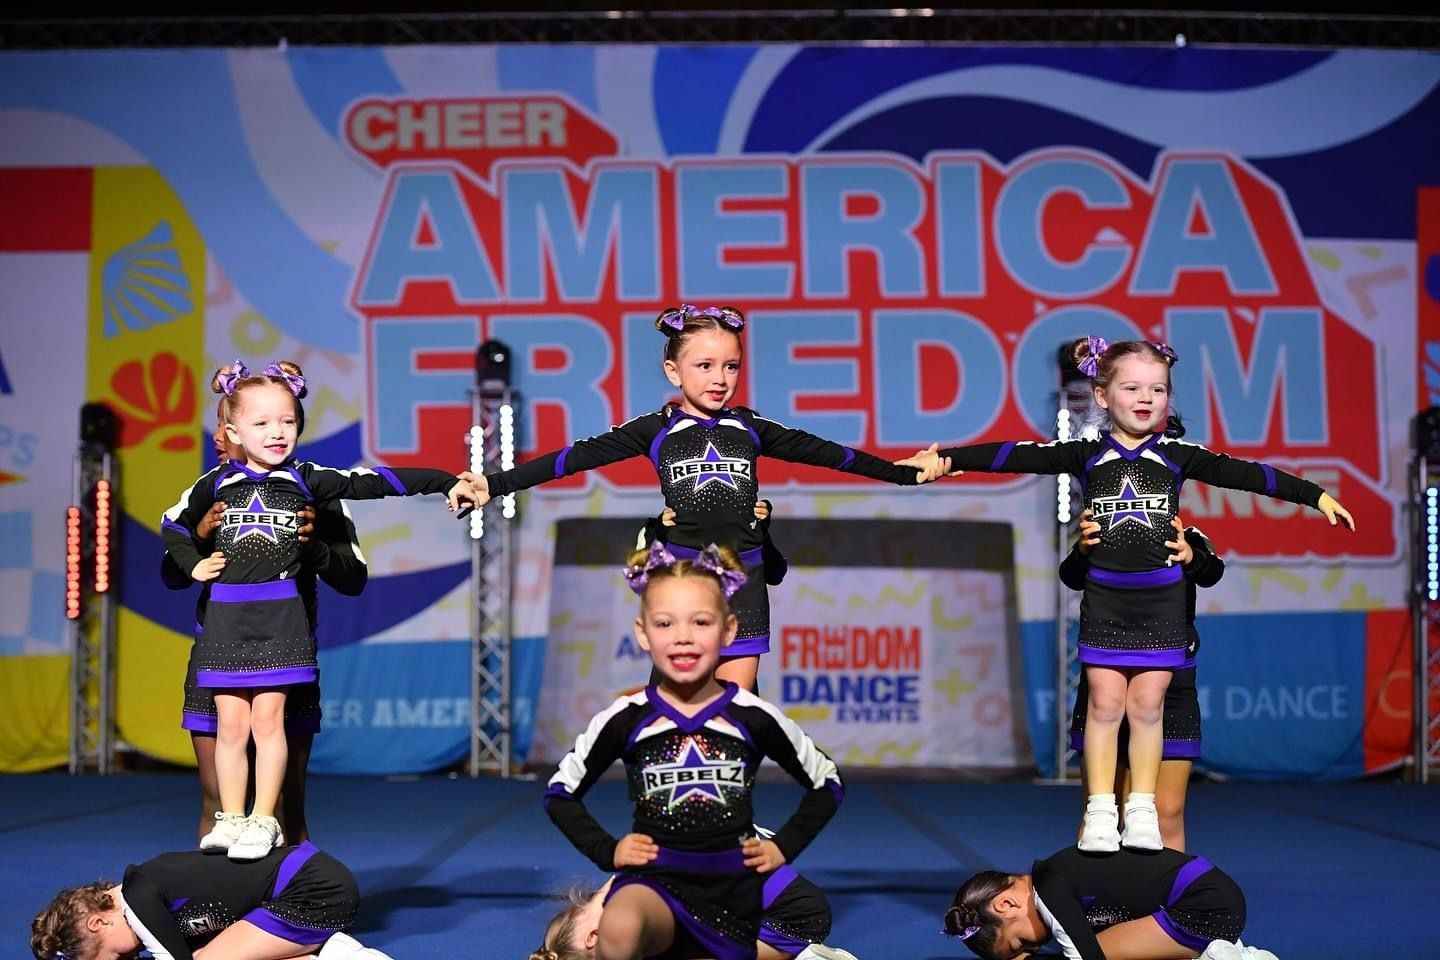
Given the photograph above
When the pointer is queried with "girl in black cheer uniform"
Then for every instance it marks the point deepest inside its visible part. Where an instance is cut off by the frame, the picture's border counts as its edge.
(705, 454)
(691, 873)
(256, 641)
(1133, 631)
(1142, 906)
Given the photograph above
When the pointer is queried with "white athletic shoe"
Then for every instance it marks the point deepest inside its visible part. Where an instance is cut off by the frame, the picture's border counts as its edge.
(259, 836)
(1222, 950)
(342, 946)
(225, 832)
(820, 951)
(1254, 953)
(1142, 826)
(1101, 832)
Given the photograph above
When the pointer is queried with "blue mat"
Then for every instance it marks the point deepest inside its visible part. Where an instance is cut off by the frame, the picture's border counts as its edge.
(462, 868)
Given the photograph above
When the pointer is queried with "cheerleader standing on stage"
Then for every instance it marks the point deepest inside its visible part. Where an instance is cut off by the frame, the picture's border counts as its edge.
(1133, 630)
(705, 453)
(1156, 906)
(1180, 723)
(331, 553)
(256, 641)
(289, 903)
(692, 872)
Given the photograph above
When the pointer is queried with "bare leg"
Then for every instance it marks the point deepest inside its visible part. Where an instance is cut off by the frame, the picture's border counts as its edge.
(204, 746)
(245, 941)
(267, 723)
(292, 795)
(636, 924)
(1142, 939)
(1144, 708)
(741, 671)
(1170, 792)
(232, 737)
(1103, 714)
(764, 951)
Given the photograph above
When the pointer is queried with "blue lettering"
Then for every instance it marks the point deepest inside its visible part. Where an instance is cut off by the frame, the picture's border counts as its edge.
(629, 649)
(960, 231)
(4, 378)
(778, 378)
(539, 217)
(1230, 245)
(456, 256)
(1285, 358)
(830, 235)
(1019, 227)
(705, 231)
(575, 388)
(401, 390)
(899, 335)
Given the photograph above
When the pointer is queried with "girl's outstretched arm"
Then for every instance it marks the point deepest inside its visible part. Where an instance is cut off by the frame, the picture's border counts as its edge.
(774, 439)
(602, 743)
(629, 439)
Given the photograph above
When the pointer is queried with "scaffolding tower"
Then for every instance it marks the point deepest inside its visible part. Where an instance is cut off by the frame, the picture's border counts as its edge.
(492, 447)
(90, 607)
(1425, 591)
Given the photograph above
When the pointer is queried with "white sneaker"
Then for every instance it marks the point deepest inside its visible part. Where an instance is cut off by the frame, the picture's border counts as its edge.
(1254, 953)
(259, 836)
(225, 832)
(1101, 833)
(1142, 826)
(820, 951)
(1222, 950)
(342, 946)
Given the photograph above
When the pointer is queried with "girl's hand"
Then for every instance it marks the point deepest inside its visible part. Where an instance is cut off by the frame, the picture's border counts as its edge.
(762, 856)
(930, 464)
(471, 491)
(209, 568)
(1329, 506)
(305, 518)
(667, 517)
(1180, 547)
(1089, 532)
(635, 850)
(211, 522)
(762, 509)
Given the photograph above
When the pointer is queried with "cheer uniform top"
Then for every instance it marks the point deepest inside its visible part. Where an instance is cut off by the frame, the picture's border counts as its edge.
(1181, 718)
(333, 554)
(691, 780)
(177, 902)
(1133, 610)
(256, 631)
(1078, 895)
(707, 471)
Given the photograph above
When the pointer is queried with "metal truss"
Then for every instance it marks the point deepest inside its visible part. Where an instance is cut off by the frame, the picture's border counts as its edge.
(813, 26)
(491, 566)
(90, 632)
(1425, 610)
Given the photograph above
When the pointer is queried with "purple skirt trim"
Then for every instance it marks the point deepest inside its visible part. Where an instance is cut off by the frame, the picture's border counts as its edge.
(251, 592)
(726, 861)
(285, 930)
(1183, 937)
(716, 945)
(746, 647)
(1149, 659)
(1137, 580)
(278, 677)
(199, 722)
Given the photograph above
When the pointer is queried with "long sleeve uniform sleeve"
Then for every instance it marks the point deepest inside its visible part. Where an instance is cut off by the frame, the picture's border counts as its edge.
(1078, 940)
(798, 446)
(792, 749)
(1206, 568)
(1061, 456)
(1220, 470)
(145, 910)
(602, 743)
(334, 553)
(1074, 568)
(178, 523)
(621, 442)
(327, 483)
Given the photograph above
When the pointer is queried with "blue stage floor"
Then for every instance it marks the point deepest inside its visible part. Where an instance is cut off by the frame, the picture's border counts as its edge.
(461, 868)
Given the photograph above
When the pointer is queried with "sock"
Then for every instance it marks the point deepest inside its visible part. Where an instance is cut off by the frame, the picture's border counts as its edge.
(1141, 800)
(1100, 801)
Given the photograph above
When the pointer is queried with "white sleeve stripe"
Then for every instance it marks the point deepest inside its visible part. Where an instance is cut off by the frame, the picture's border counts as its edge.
(353, 533)
(152, 943)
(817, 766)
(173, 514)
(572, 770)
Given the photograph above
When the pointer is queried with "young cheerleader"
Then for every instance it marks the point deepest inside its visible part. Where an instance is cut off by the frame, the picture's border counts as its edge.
(704, 452)
(1132, 617)
(255, 641)
(1180, 723)
(331, 552)
(691, 873)
(1141, 906)
(178, 906)
(794, 925)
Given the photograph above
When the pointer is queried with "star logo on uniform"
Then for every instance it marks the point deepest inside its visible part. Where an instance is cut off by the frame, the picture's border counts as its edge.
(693, 774)
(1129, 505)
(253, 520)
(713, 467)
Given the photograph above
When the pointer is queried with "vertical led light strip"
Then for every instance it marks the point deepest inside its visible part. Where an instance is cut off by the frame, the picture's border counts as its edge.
(1062, 482)
(72, 563)
(1432, 543)
(102, 536)
(477, 466)
(507, 455)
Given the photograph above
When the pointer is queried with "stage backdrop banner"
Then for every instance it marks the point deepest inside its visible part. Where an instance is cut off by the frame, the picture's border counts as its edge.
(912, 232)
(891, 650)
